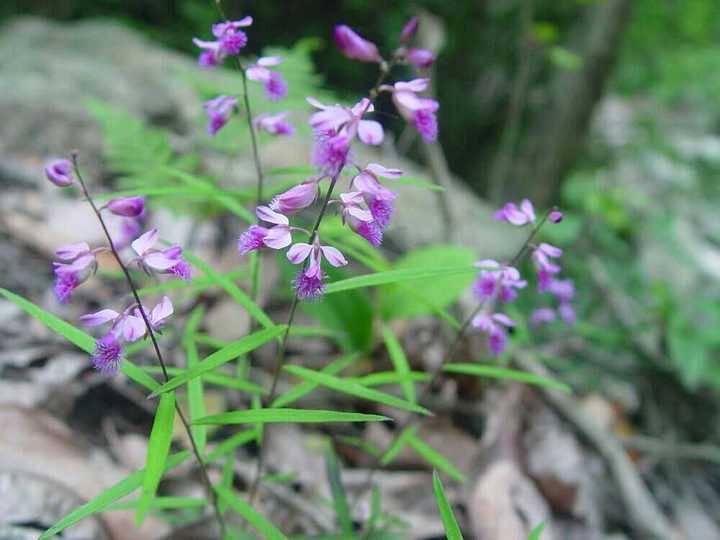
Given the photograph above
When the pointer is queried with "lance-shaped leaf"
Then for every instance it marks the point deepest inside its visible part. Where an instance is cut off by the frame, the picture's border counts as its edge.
(222, 356)
(450, 524)
(288, 416)
(480, 370)
(396, 276)
(252, 516)
(400, 363)
(348, 386)
(158, 447)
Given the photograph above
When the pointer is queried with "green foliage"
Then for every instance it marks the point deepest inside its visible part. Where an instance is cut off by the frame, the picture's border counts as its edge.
(252, 516)
(287, 416)
(402, 368)
(452, 529)
(536, 532)
(494, 372)
(157, 452)
(352, 388)
(340, 501)
(437, 275)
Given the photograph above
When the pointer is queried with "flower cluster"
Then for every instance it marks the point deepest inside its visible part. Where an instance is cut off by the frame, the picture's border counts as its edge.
(500, 283)
(367, 205)
(78, 262)
(230, 40)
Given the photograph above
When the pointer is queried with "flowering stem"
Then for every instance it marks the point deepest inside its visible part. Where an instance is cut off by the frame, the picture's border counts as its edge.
(452, 349)
(203, 470)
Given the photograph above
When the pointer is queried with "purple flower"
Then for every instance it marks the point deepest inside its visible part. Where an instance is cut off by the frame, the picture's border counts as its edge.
(257, 237)
(127, 206)
(275, 124)
(230, 41)
(494, 326)
(218, 111)
(542, 315)
(355, 47)
(409, 30)
(296, 198)
(555, 216)
(378, 198)
(275, 86)
(515, 215)
(59, 172)
(129, 231)
(309, 281)
(359, 219)
(347, 121)
(165, 261)
(420, 58)
(497, 281)
(562, 289)
(157, 316)
(417, 110)
(79, 264)
(567, 313)
(107, 354)
(330, 151)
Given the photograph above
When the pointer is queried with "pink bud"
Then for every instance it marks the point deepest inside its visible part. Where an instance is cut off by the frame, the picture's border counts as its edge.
(555, 216)
(355, 47)
(420, 58)
(127, 206)
(409, 30)
(59, 172)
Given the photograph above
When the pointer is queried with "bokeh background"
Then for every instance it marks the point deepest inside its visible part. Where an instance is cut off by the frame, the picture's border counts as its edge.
(609, 109)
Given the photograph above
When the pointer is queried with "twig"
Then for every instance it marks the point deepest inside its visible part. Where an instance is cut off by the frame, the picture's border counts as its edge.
(644, 512)
(672, 450)
(203, 470)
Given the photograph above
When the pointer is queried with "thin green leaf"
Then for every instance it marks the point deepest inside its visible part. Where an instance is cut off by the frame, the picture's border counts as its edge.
(228, 475)
(400, 363)
(342, 508)
(109, 496)
(536, 532)
(395, 276)
(348, 386)
(74, 335)
(397, 445)
(391, 377)
(196, 396)
(418, 182)
(288, 416)
(435, 458)
(224, 355)
(162, 503)
(138, 375)
(157, 452)
(252, 516)
(229, 445)
(235, 292)
(480, 370)
(305, 387)
(450, 524)
(217, 379)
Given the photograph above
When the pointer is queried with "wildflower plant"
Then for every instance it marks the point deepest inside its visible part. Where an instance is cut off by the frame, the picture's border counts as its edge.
(351, 205)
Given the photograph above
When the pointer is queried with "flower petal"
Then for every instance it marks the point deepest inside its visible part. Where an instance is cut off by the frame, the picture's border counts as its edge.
(299, 252)
(133, 328)
(267, 214)
(161, 311)
(370, 132)
(278, 237)
(99, 317)
(72, 251)
(144, 242)
(379, 170)
(159, 261)
(333, 256)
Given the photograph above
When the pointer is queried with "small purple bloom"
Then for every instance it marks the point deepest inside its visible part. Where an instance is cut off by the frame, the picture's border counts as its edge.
(567, 313)
(275, 124)
(562, 289)
(555, 216)
(497, 281)
(379, 199)
(515, 215)
(347, 121)
(65, 284)
(359, 219)
(494, 326)
(409, 30)
(275, 86)
(59, 172)
(129, 231)
(330, 151)
(218, 111)
(212, 54)
(257, 237)
(166, 261)
(355, 47)
(252, 239)
(157, 316)
(107, 354)
(127, 206)
(542, 315)
(79, 265)
(309, 282)
(541, 258)
(419, 111)
(420, 58)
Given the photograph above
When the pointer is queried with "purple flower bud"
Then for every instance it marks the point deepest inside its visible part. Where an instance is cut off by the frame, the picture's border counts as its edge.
(59, 172)
(107, 354)
(409, 30)
(542, 315)
(127, 206)
(296, 198)
(218, 111)
(420, 111)
(555, 216)
(355, 47)
(420, 58)
(276, 88)
(275, 124)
